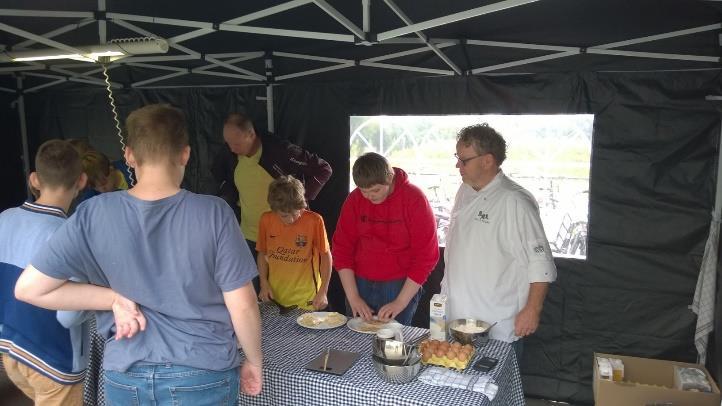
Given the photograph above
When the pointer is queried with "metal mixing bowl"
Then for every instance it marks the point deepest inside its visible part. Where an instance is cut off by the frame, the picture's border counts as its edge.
(397, 374)
(390, 349)
(460, 331)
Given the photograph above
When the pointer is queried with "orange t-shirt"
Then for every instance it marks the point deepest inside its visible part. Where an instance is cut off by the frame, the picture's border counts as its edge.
(293, 255)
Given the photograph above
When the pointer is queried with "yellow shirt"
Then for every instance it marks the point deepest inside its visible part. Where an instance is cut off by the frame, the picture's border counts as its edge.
(293, 255)
(119, 179)
(252, 183)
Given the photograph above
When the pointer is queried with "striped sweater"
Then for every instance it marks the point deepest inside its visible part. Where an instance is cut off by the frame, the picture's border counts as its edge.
(37, 337)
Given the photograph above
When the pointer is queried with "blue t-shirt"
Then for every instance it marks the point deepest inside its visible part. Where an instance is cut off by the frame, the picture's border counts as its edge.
(174, 257)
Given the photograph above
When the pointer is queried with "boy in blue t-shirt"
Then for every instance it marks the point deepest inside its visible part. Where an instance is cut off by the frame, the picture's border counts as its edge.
(190, 273)
(44, 352)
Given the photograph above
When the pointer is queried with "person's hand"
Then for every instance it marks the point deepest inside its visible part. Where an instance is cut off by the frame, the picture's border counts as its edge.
(320, 301)
(265, 294)
(251, 378)
(128, 318)
(390, 310)
(526, 322)
(360, 308)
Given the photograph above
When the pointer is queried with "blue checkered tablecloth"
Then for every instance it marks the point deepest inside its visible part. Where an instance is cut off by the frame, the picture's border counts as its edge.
(288, 348)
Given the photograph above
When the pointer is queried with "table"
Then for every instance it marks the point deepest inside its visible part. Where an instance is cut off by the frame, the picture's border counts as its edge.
(288, 347)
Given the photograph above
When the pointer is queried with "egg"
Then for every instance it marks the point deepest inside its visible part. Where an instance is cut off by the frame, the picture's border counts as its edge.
(439, 352)
(456, 346)
(451, 354)
(463, 356)
(425, 356)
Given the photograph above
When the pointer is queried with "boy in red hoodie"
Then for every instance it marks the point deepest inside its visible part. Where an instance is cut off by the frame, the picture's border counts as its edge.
(384, 246)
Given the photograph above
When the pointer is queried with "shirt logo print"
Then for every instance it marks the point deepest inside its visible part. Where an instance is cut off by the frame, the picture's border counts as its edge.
(481, 216)
(301, 240)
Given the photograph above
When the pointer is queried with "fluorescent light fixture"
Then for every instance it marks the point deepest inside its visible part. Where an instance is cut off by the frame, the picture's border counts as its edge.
(109, 52)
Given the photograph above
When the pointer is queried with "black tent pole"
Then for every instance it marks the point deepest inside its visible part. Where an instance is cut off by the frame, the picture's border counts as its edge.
(23, 131)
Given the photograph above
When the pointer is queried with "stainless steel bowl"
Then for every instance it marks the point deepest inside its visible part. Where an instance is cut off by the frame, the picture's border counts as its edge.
(397, 374)
(470, 331)
(390, 349)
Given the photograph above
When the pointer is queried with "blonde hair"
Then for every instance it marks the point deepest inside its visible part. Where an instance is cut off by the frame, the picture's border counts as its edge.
(156, 132)
(57, 164)
(96, 166)
(286, 194)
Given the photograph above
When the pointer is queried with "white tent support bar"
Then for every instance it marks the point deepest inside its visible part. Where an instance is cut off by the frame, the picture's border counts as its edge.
(45, 13)
(314, 71)
(234, 60)
(162, 58)
(366, 7)
(228, 66)
(56, 32)
(23, 131)
(160, 20)
(463, 15)
(38, 38)
(242, 19)
(198, 86)
(268, 11)
(94, 71)
(340, 18)
(43, 86)
(21, 69)
(159, 78)
(190, 35)
(406, 68)
(671, 34)
(400, 13)
(44, 75)
(5, 89)
(102, 29)
(222, 74)
(404, 53)
(269, 107)
(287, 33)
(311, 57)
(524, 61)
(161, 67)
(678, 57)
(82, 77)
(521, 45)
(410, 40)
(251, 55)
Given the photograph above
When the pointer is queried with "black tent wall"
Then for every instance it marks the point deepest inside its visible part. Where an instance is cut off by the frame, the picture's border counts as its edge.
(652, 187)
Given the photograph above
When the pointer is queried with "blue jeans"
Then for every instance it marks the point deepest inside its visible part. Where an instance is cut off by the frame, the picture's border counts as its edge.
(145, 384)
(378, 293)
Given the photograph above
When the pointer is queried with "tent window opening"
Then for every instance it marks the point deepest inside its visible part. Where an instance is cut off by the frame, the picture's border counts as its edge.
(549, 155)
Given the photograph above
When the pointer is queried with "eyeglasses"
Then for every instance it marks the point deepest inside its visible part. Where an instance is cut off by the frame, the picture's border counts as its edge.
(464, 161)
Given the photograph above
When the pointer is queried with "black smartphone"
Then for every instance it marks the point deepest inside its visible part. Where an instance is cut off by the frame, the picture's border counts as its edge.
(485, 364)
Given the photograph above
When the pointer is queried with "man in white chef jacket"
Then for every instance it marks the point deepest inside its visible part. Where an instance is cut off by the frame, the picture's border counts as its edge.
(498, 261)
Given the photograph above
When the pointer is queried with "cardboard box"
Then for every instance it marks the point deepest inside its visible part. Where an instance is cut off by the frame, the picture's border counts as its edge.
(649, 382)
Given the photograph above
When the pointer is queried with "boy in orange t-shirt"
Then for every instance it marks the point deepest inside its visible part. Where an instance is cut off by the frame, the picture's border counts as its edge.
(294, 260)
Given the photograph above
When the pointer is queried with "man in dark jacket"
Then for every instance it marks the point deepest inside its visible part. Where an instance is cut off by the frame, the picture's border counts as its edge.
(249, 165)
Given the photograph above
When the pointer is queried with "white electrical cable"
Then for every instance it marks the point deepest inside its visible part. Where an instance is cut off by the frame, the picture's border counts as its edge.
(117, 122)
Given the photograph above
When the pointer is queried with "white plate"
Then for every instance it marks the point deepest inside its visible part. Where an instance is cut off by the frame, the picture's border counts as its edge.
(359, 325)
(321, 320)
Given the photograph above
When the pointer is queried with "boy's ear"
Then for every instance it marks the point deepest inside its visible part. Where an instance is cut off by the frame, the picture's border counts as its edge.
(185, 155)
(34, 180)
(82, 181)
(129, 158)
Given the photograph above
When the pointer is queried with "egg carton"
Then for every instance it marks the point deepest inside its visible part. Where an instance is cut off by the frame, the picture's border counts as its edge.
(449, 363)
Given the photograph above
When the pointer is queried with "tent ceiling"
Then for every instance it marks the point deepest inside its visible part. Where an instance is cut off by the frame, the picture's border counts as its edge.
(230, 43)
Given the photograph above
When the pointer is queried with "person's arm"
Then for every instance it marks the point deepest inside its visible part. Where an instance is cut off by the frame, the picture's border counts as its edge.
(316, 171)
(320, 301)
(40, 290)
(423, 244)
(358, 305)
(396, 306)
(246, 320)
(527, 320)
(265, 294)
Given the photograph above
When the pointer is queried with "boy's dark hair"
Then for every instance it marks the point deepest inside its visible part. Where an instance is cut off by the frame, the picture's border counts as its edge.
(286, 194)
(239, 120)
(57, 164)
(372, 169)
(485, 140)
(156, 132)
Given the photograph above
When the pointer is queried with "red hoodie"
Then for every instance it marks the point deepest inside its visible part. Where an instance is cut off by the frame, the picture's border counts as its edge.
(392, 240)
